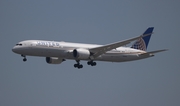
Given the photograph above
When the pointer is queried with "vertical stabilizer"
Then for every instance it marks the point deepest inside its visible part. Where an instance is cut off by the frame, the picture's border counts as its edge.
(143, 42)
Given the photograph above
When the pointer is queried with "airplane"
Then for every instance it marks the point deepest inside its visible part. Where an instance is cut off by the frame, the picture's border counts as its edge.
(56, 52)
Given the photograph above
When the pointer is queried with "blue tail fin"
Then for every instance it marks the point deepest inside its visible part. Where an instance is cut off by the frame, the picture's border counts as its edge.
(143, 42)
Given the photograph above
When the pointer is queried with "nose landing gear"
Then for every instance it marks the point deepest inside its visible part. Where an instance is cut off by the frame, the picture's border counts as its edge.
(24, 59)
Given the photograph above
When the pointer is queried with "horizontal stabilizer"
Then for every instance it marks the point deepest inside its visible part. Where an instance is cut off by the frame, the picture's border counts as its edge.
(153, 52)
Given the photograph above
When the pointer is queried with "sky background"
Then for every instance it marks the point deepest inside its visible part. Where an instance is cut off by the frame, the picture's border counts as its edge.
(150, 82)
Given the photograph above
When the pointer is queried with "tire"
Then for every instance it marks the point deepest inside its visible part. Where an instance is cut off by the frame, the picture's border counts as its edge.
(75, 65)
(80, 66)
(94, 63)
(89, 63)
(24, 59)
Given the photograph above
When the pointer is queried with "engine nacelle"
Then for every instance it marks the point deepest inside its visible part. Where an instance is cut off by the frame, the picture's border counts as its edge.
(54, 60)
(81, 54)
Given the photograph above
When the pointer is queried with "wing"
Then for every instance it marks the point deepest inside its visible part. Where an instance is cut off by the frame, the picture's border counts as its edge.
(103, 49)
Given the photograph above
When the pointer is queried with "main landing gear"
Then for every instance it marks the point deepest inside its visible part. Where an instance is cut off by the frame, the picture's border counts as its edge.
(78, 65)
(91, 63)
(24, 59)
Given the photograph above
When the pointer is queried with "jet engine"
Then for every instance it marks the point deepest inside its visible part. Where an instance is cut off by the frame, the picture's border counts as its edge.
(81, 54)
(54, 60)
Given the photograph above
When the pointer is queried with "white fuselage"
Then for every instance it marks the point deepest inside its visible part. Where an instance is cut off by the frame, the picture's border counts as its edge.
(64, 50)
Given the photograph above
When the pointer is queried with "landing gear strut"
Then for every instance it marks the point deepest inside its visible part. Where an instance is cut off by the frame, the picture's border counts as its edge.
(91, 63)
(78, 65)
(24, 59)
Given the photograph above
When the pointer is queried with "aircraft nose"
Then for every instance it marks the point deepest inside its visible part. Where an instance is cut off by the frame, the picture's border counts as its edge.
(14, 49)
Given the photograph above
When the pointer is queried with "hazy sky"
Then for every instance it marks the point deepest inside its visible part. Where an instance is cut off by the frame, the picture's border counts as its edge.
(150, 82)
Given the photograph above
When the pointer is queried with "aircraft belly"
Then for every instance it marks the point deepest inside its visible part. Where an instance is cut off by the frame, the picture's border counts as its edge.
(118, 57)
(45, 52)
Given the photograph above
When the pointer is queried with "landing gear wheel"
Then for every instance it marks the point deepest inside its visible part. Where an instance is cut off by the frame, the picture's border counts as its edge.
(78, 65)
(24, 59)
(91, 63)
(75, 65)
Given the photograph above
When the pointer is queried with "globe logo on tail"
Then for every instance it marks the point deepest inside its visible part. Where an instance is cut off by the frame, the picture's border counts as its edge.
(139, 44)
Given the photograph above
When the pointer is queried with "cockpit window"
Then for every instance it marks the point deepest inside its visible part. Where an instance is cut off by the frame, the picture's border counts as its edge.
(19, 44)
